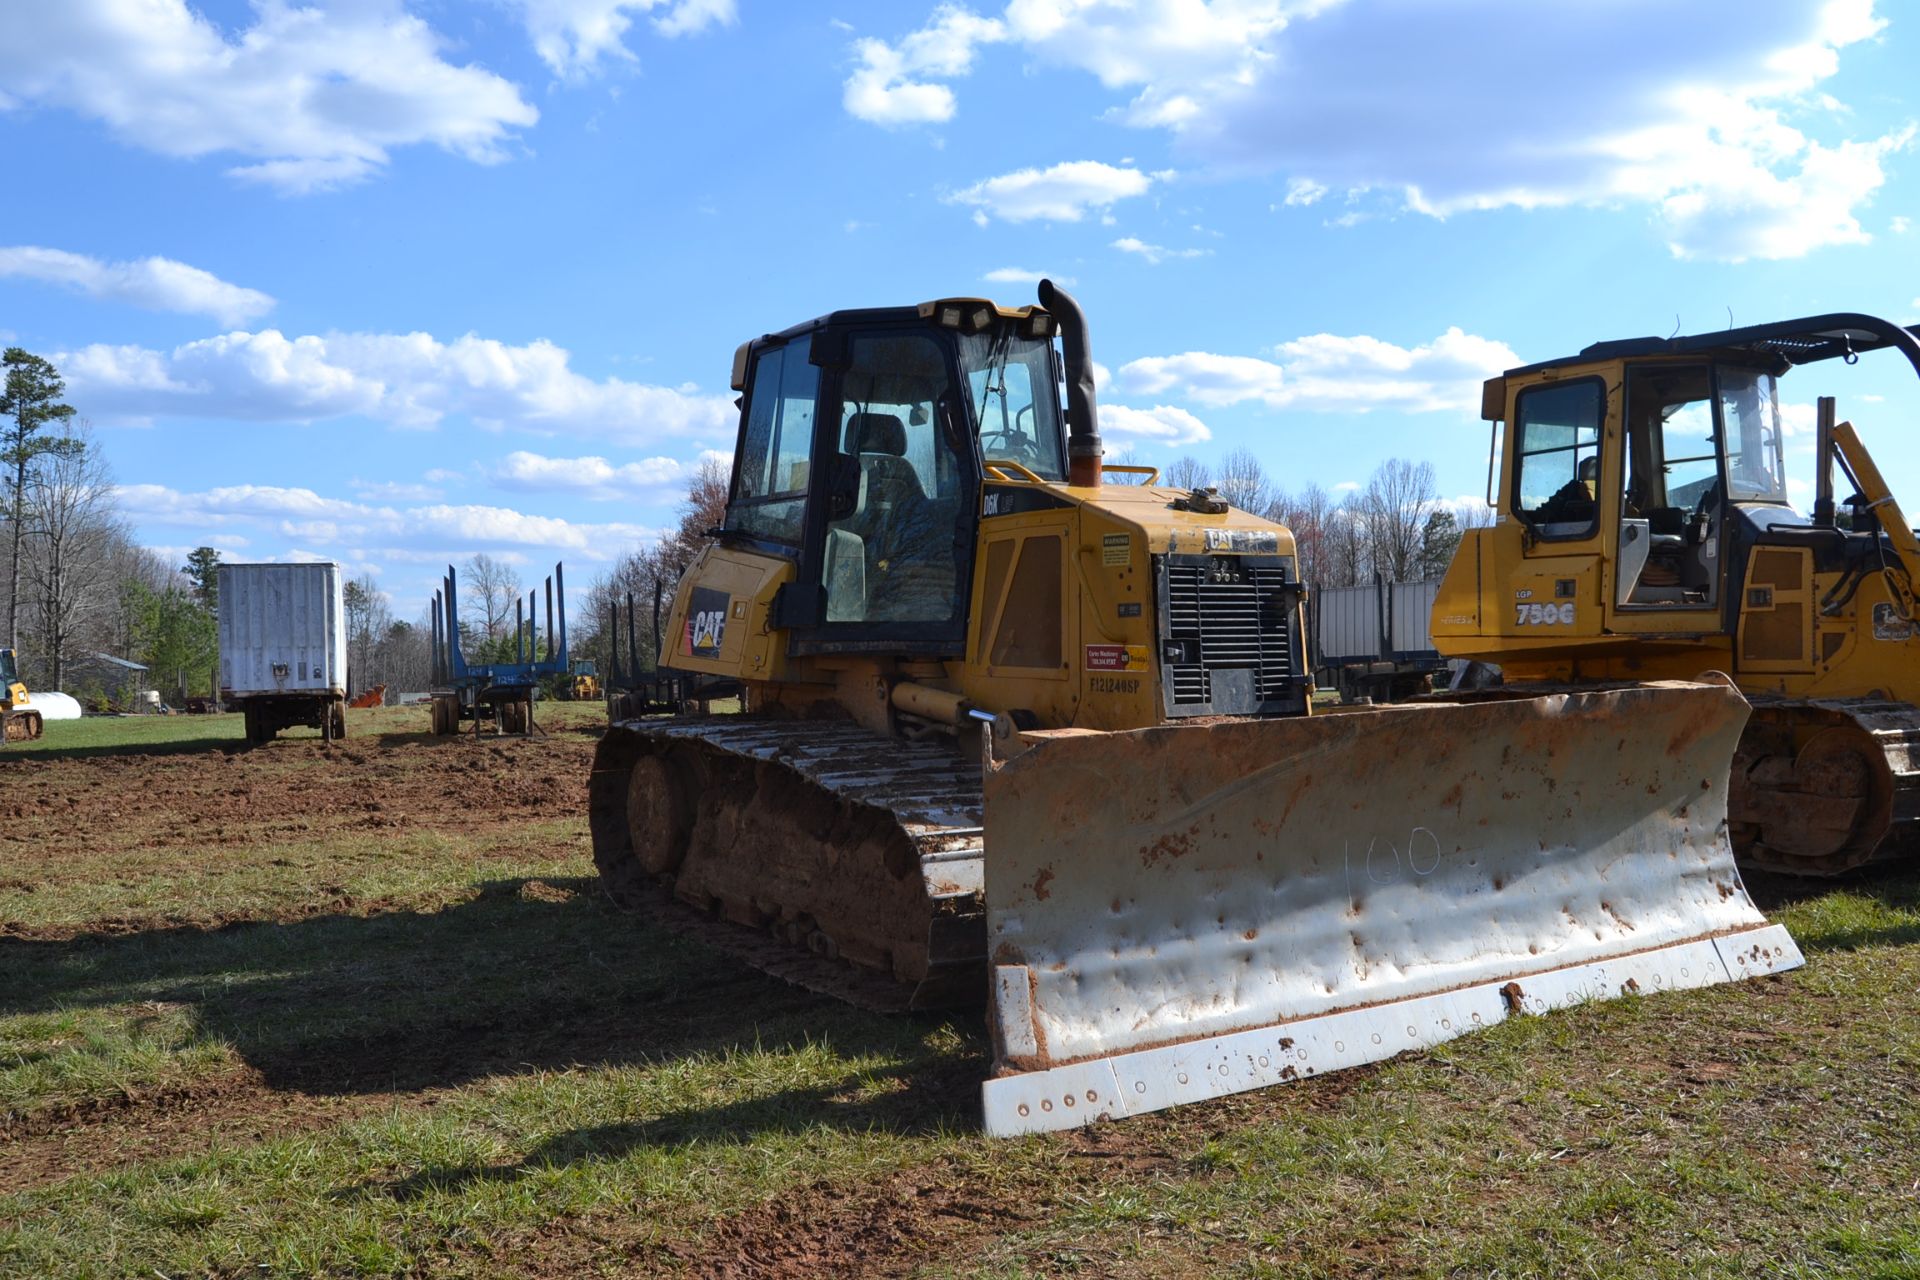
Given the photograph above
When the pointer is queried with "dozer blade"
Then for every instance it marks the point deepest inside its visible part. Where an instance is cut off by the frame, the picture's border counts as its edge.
(1183, 912)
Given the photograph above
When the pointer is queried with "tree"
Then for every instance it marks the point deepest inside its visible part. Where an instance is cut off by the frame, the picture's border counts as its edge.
(174, 636)
(492, 586)
(1438, 541)
(368, 620)
(1398, 498)
(203, 570)
(1243, 481)
(32, 400)
(1306, 514)
(70, 560)
(1348, 553)
(1187, 472)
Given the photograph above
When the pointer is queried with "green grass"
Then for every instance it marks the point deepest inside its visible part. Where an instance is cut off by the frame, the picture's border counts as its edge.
(94, 735)
(434, 1049)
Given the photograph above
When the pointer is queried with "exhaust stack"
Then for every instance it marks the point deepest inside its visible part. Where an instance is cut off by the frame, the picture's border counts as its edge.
(1083, 420)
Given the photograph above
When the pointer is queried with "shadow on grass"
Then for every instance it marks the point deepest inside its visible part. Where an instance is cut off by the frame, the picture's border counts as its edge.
(528, 975)
(1873, 907)
(183, 746)
(929, 1095)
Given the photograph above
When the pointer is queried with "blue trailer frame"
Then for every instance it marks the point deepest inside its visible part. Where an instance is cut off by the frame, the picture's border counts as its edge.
(500, 692)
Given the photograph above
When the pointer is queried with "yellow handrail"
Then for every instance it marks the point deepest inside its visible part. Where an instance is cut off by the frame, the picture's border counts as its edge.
(1880, 500)
(1151, 473)
(1011, 472)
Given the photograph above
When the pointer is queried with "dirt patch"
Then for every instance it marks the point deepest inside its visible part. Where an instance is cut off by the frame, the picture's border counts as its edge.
(130, 818)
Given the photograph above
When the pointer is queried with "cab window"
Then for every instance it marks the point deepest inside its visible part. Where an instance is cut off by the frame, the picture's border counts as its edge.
(893, 556)
(1011, 392)
(1750, 416)
(776, 443)
(1557, 457)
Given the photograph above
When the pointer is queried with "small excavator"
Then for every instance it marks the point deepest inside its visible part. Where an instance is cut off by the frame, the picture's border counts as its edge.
(1645, 532)
(1011, 733)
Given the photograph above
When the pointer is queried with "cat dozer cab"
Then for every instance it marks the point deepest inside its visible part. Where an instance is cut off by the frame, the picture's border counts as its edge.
(1014, 733)
(19, 721)
(1645, 532)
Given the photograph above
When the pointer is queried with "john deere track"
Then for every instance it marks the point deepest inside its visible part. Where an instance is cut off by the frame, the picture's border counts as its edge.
(859, 855)
(1821, 787)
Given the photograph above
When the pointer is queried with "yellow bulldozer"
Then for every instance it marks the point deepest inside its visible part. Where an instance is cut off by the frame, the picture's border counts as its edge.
(1645, 532)
(1015, 734)
(19, 721)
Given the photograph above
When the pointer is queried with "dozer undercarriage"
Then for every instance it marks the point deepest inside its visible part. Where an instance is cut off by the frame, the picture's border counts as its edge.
(839, 841)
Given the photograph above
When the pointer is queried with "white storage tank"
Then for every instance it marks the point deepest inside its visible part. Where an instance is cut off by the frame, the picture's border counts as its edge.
(283, 646)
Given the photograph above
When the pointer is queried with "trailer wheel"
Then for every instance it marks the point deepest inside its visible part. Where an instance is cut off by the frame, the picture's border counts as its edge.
(339, 717)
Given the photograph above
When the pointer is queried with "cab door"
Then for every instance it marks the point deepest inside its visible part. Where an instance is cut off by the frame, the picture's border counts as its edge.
(1670, 571)
(889, 549)
(1560, 458)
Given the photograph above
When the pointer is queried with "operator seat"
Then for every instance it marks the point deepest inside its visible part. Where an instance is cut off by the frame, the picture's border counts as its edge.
(887, 479)
(909, 546)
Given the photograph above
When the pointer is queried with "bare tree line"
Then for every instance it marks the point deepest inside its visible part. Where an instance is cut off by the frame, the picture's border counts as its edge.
(1396, 525)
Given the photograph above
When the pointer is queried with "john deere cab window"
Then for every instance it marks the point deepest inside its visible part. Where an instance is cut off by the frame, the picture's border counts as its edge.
(893, 556)
(1557, 455)
(1750, 414)
(770, 488)
(1670, 509)
(1015, 406)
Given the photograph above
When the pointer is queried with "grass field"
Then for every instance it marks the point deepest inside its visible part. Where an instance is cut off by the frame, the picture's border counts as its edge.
(360, 1011)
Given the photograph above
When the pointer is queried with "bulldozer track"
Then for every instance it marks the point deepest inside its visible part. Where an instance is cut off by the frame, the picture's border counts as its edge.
(1796, 811)
(826, 855)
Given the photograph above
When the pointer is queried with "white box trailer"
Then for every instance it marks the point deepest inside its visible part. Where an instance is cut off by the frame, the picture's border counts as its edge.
(283, 646)
(1374, 641)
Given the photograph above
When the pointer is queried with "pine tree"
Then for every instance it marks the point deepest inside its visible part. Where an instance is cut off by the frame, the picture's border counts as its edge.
(31, 399)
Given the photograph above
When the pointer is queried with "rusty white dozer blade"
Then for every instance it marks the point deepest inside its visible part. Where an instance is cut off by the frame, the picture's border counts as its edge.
(1183, 912)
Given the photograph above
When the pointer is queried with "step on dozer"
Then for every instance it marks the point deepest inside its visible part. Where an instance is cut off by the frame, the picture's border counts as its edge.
(1178, 913)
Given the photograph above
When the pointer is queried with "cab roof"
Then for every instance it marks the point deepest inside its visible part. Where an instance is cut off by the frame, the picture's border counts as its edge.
(1795, 342)
(895, 315)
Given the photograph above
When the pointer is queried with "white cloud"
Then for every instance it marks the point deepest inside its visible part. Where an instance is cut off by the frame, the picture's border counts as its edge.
(1900, 225)
(405, 380)
(1326, 373)
(1064, 193)
(1305, 191)
(594, 478)
(1723, 128)
(1162, 424)
(1205, 378)
(1155, 254)
(312, 97)
(892, 83)
(1020, 275)
(158, 284)
(574, 37)
(335, 523)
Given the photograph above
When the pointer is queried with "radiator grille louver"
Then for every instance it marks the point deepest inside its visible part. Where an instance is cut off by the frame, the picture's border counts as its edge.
(1237, 618)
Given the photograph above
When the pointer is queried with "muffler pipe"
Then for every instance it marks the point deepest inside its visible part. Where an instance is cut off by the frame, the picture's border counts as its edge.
(1823, 463)
(1083, 413)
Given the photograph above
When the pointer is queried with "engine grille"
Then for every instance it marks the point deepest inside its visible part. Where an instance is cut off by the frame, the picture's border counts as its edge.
(1228, 641)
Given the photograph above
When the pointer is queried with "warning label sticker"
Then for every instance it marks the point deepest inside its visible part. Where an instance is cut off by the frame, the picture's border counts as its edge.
(1116, 549)
(1116, 657)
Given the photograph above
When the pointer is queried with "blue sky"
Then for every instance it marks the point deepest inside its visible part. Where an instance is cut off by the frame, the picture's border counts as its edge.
(395, 281)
